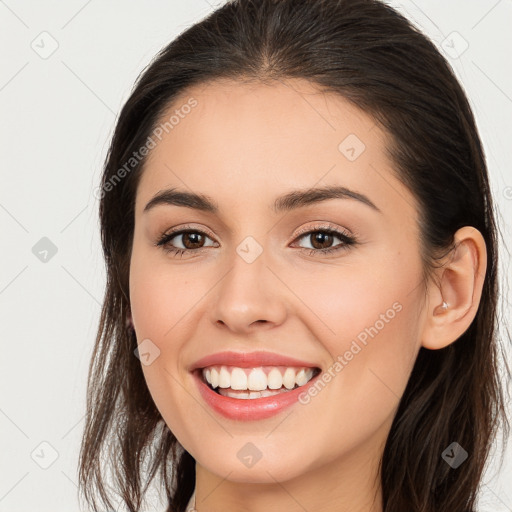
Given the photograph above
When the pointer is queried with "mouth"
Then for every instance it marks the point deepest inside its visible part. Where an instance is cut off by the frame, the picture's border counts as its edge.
(256, 382)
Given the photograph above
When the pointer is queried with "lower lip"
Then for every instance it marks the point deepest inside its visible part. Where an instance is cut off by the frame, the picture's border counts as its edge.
(250, 409)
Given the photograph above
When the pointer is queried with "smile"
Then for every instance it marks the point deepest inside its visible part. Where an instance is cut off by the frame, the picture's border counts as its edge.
(250, 386)
(253, 383)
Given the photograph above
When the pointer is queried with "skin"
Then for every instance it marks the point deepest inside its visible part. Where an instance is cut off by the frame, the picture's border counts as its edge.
(243, 146)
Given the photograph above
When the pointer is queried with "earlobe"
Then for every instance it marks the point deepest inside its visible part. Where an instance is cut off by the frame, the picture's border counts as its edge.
(453, 301)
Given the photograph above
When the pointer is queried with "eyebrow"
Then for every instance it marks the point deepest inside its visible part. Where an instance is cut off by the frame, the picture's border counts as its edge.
(287, 202)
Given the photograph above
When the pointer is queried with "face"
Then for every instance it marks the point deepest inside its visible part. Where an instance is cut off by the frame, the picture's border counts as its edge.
(332, 282)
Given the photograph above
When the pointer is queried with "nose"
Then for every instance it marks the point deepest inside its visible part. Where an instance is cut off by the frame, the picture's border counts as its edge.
(249, 297)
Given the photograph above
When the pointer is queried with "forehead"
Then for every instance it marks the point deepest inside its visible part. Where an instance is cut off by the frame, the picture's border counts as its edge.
(293, 116)
(266, 139)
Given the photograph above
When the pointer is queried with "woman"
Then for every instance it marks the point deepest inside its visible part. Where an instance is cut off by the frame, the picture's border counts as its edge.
(301, 258)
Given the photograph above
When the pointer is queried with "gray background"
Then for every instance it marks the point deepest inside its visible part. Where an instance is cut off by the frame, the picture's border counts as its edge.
(58, 111)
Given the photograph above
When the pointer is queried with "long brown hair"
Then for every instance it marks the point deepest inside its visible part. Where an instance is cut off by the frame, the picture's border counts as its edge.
(373, 56)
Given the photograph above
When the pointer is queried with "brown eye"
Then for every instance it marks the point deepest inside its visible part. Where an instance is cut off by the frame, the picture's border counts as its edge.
(192, 240)
(321, 240)
(184, 241)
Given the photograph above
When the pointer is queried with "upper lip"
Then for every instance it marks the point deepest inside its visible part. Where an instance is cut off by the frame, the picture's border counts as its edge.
(249, 360)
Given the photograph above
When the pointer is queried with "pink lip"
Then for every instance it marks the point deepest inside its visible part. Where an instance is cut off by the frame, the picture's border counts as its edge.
(250, 409)
(249, 360)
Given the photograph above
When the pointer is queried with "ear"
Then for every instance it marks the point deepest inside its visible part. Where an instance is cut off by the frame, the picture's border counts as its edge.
(459, 285)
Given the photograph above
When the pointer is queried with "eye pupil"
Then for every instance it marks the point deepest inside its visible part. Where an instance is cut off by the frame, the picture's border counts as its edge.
(324, 239)
(196, 240)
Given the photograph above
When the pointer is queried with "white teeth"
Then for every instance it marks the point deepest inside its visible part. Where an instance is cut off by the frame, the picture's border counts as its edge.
(289, 378)
(275, 379)
(215, 378)
(255, 381)
(247, 395)
(301, 378)
(238, 379)
(224, 378)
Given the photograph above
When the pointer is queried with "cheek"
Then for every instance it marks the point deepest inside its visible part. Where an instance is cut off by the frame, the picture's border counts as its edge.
(359, 301)
(160, 300)
(369, 325)
(163, 300)
(161, 295)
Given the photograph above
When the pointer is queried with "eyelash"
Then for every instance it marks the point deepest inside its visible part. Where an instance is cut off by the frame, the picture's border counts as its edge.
(348, 240)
